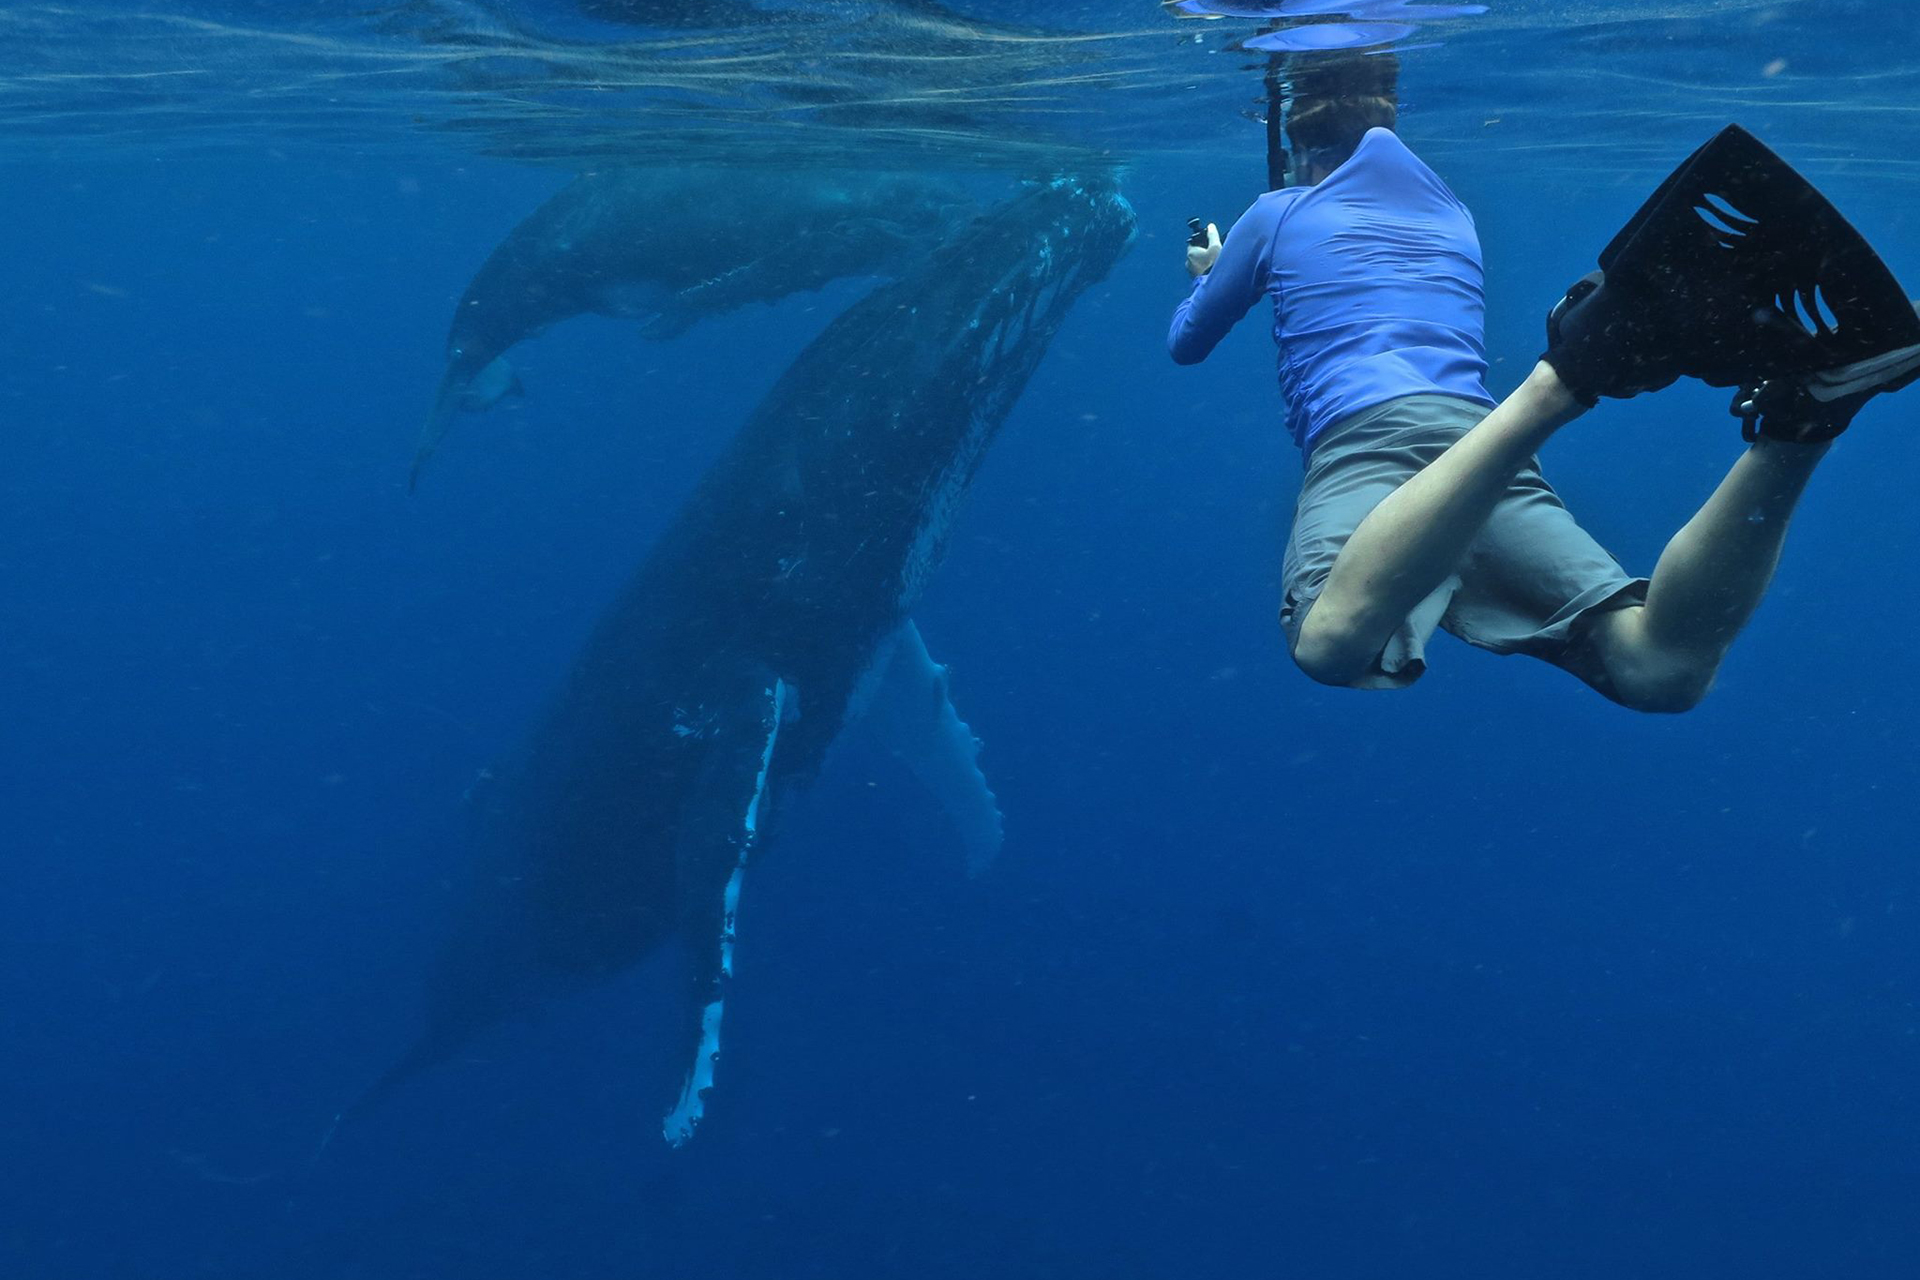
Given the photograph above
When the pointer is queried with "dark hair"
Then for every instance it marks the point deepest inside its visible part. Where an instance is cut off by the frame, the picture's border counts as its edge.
(1334, 98)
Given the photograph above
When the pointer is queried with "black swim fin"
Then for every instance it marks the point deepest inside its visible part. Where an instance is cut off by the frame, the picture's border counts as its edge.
(1735, 271)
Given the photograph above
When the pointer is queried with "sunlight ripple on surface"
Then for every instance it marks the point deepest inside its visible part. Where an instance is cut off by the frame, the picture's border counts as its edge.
(920, 85)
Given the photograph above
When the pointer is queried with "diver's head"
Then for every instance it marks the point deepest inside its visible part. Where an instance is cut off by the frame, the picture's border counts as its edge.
(1332, 99)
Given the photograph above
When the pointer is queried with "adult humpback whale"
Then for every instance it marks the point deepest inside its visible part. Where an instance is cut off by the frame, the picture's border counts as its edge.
(669, 247)
(773, 611)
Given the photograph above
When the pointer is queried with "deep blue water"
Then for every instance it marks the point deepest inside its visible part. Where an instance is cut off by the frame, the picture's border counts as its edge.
(1489, 979)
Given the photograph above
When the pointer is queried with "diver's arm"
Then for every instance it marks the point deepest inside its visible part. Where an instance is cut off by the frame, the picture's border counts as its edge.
(1227, 292)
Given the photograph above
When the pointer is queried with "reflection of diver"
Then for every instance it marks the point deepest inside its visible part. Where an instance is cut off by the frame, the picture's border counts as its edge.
(1422, 504)
(736, 13)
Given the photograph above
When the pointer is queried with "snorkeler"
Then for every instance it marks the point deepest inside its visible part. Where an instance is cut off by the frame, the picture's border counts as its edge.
(1423, 505)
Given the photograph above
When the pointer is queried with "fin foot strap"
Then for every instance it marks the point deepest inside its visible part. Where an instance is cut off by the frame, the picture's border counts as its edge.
(1821, 405)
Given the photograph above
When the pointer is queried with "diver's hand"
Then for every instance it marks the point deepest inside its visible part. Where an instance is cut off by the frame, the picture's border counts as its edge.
(1200, 257)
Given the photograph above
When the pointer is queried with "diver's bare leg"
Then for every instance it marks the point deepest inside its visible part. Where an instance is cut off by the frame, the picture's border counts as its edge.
(1708, 582)
(1419, 533)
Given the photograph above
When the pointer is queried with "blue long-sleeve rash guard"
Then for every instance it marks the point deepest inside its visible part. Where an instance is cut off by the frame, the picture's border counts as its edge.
(1376, 282)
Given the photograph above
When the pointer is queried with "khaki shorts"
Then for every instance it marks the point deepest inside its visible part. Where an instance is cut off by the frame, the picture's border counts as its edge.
(1527, 584)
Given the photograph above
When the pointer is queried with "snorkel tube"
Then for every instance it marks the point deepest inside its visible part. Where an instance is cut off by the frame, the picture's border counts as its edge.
(1277, 157)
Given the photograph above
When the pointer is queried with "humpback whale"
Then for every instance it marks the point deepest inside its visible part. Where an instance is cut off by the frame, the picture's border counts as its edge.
(772, 612)
(669, 247)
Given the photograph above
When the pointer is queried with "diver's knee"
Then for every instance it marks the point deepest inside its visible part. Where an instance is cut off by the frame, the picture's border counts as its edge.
(1617, 656)
(1330, 653)
(1663, 684)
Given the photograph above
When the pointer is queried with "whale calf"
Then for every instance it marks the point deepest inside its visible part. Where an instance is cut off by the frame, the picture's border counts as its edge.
(773, 612)
(669, 247)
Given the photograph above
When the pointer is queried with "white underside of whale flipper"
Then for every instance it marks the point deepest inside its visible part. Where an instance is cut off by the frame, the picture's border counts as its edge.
(691, 1106)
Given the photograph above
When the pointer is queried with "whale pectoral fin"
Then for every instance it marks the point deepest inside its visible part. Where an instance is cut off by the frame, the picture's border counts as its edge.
(720, 827)
(446, 403)
(910, 712)
(459, 390)
(491, 385)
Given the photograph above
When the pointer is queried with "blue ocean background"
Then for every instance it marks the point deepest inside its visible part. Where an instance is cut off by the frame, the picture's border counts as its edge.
(1489, 979)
